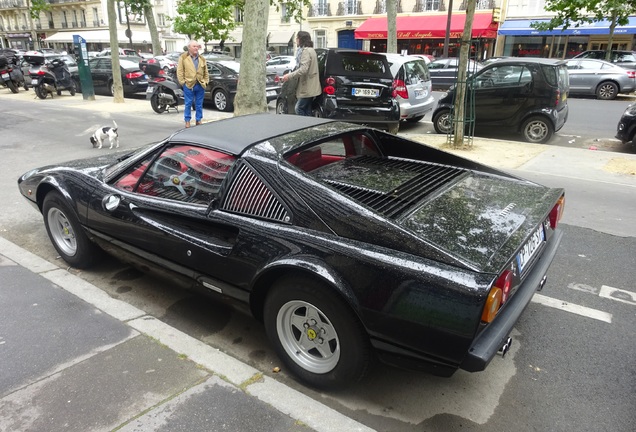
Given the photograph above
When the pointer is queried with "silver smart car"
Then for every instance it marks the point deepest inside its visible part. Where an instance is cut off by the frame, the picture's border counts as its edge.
(412, 86)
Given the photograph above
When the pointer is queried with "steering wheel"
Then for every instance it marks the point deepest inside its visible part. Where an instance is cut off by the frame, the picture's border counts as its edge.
(169, 171)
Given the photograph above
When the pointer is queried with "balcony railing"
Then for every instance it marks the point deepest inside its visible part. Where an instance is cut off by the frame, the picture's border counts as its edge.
(350, 7)
(64, 25)
(320, 9)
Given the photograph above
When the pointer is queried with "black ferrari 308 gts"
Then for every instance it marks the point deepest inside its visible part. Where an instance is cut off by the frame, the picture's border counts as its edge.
(350, 244)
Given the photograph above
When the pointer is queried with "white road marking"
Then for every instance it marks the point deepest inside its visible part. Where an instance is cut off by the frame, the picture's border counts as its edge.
(572, 308)
(619, 295)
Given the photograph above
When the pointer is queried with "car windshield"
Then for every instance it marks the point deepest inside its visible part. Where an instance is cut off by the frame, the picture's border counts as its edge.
(127, 159)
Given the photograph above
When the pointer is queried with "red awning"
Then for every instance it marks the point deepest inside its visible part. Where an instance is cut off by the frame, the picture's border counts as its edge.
(428, 27)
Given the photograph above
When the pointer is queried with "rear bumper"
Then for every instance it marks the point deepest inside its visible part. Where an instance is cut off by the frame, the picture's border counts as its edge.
(493, 337)
(420, 108)
(368, 114)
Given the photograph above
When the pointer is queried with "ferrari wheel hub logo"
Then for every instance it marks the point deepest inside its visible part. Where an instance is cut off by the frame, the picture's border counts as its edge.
(311, 334)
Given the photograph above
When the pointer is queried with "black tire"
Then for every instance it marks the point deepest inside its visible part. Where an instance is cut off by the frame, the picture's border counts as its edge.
(537, 129)
(40, 91)
(111, 89)
(281, 106)
(220, 100)
(12, 86)
(607, 90)
(59, 92)
(414, 119)
(331, 349)
(156, 106)
(72, 89)
(442, 122)
(66, 233)
(393, 128)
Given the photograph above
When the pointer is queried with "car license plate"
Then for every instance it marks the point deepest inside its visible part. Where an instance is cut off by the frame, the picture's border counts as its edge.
(271, 93)
(34, 81)
(530, 248)
(419, 93)
(150, 89)
(5, 76)
(365, 92)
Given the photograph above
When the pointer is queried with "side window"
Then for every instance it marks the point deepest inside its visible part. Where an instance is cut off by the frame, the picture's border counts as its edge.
(334, 150)
(180, 173)
(213, 70)
(588, 64)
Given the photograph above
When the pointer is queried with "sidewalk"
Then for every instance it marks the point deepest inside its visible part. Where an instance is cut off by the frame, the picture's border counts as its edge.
(75, 359)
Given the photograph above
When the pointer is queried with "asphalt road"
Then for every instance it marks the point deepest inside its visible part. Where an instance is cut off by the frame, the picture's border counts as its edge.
(567, 369)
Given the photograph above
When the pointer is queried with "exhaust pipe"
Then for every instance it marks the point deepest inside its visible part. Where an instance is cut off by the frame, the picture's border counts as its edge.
(505, 347)
(166, 98)
(542, 283)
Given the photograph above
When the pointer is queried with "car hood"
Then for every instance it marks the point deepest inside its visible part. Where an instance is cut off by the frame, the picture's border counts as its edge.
(482, 219)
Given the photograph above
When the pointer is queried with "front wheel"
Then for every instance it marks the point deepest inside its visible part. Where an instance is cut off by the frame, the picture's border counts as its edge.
(40, 91)
(537, 130)
(607, 91)
(220, 100)
(316, 335)
(156, 105)
(66, 233)
(442, 122)
(393, 128)
(72, 88)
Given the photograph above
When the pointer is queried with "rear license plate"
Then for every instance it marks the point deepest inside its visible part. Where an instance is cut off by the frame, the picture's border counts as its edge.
(5, 76)
(34, 81)
(420, 93)
(271, 93)
(365, 92)
(150, 89)
(530, 248)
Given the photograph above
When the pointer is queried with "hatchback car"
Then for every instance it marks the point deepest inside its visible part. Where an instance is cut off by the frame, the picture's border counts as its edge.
(223, 84)
(357, 86)
(345, 241)
(134, 80)
(626, 128)
(599, 78)
(622, 58)
(444, 71)
(413, 88)
(281, 65)
(527, 95)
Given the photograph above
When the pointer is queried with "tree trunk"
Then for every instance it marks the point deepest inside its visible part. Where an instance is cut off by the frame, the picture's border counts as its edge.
(391, 19)
(152, 28)
(250, 96)
(608, 51)
(118, 96)
(459, 118)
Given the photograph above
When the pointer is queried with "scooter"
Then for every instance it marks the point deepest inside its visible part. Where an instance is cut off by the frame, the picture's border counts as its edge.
(164, 91)
(10, 74)
(53, 76)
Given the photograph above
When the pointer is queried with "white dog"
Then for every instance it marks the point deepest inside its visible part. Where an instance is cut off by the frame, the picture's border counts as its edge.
(104, 133)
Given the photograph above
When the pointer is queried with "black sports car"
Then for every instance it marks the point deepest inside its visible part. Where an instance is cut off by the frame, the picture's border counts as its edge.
(344, 240)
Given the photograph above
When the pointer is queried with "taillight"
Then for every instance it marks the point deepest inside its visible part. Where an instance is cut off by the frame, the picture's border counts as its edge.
(557, 212)
(493, 301)
(504, 283)
(41, 72)
(399, 89)
(631, 73)
(134, 75)
(276, 79)
(330, 87)
(558, 97)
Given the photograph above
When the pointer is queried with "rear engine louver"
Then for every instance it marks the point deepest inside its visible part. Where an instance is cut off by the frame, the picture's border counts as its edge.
(248, 195)
(426, 179)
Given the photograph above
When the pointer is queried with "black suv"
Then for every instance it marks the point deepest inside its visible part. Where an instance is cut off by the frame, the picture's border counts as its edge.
(527, 95)
(357, 87)
(624, 59)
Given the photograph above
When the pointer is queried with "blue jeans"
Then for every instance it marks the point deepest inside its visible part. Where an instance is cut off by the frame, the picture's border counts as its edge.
(303, 106)
(194, 95)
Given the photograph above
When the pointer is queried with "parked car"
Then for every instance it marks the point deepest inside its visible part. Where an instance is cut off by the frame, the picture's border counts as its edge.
(622, 58)
(444, 71)
(526, 95)
(166, 63)
(281, 65)
(412, 84)
(123, 52)
(34, 60)
(626, 129)
(427, 57)
(215, 56)
(344, 240)
(600, 78)
(134, 80)
(224, 76)
(357, 86)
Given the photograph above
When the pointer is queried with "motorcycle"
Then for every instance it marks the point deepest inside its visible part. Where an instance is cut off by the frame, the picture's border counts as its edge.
(164, 91)
(50, 77)
(10, 73)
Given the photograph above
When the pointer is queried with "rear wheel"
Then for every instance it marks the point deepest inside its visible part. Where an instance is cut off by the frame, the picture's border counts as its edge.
(316, 334)
(393, 128)
(607, 90)
(156, 105)
(537, 130)
(66, 233)
(281, 106)
(219, 98)
(443, 122)
(59, 92)
(111, 89)
(12, 86)
(40, 91)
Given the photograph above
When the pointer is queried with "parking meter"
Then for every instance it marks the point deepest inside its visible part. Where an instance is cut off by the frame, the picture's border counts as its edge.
(86, 80)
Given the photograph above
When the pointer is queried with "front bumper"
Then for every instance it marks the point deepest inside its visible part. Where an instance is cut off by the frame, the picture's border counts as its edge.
(494, 336)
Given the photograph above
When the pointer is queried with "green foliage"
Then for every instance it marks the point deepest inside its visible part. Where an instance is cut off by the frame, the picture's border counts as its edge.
(573, 13)
(38, 6)
(137, 7)
(205, 20)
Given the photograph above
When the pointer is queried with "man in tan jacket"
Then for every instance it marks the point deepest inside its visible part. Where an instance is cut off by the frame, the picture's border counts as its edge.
(307, 74)
(192, 73)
